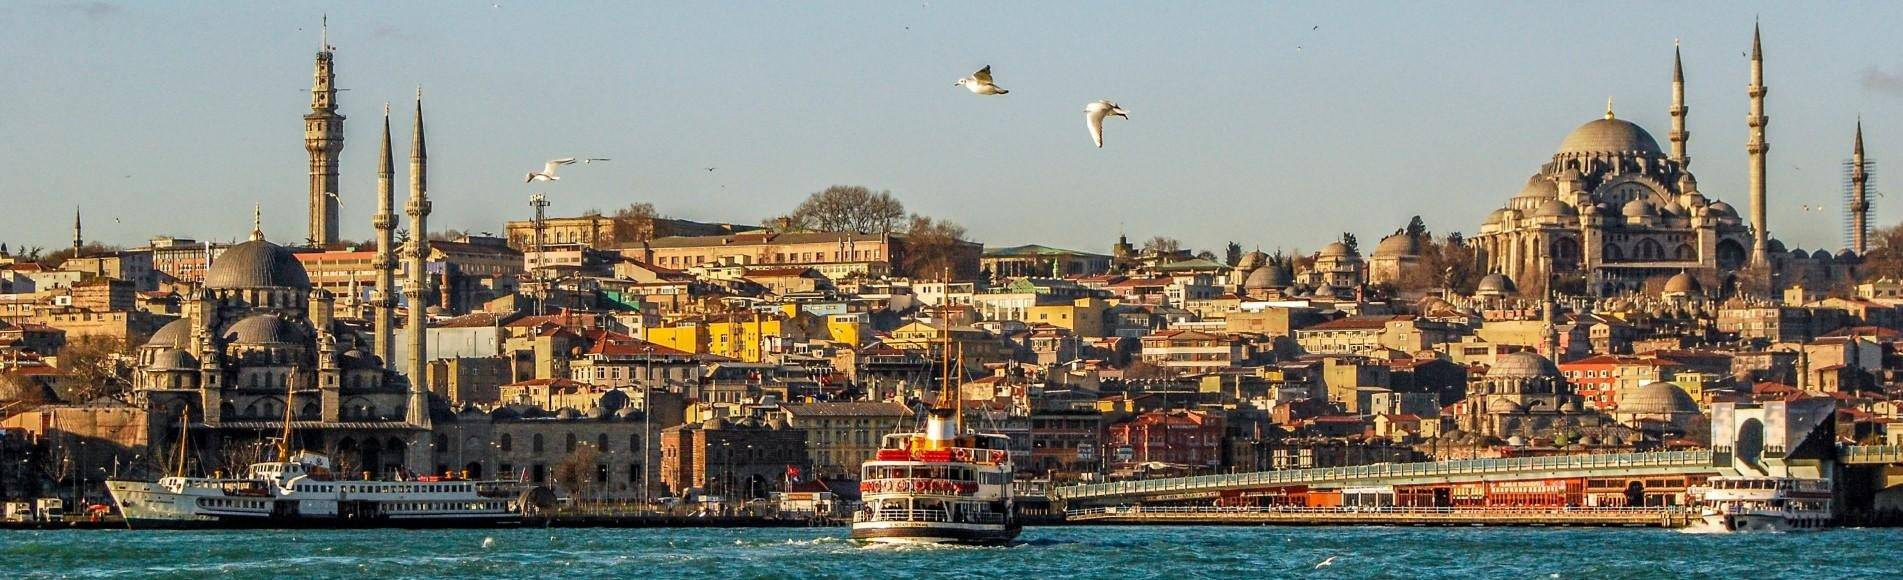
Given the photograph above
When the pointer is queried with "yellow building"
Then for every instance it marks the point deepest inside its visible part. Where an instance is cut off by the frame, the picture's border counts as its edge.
(745, 338)
(1083, 317)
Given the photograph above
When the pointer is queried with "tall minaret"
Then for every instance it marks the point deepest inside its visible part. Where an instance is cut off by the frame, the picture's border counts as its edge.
(1859, 197)
(79, 238)
(1757, 147)
(383, 299)
(324, 140)
(1679, 134)
(415, 284)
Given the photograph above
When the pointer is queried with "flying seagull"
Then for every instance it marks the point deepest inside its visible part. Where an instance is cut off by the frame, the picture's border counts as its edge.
(594, 159)
(1325, 563)
(548, 171)
(980, 83)
(710, 168)
(333, 196)
(1094, 114)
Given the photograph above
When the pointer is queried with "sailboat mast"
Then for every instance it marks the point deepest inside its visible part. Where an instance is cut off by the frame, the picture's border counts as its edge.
(184, 439)
(284, 441)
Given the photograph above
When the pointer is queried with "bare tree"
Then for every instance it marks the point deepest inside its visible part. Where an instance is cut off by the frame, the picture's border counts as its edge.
(1885, 258)
(1162, 245)
(577, 471)
(635, 223)
(57, 257)
(935, 249)
(848, 208)
(95, 367)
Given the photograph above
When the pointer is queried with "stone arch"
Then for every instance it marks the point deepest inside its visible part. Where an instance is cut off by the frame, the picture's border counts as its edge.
(1731, 254)
(1684, 253)
(1648, 249)
(506, 442)
(1612, 253)
(536, 444)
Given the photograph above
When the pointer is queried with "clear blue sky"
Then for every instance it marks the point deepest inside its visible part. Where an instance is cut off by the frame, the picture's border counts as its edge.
(173, 118)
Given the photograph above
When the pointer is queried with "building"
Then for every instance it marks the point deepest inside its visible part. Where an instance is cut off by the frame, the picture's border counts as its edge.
(182, 260)
(1613, 210)
(1041, 261)
(842, 436)
(609, 233)
(748, 457)
(1191, 439)
(836, 255)
(1188, 351)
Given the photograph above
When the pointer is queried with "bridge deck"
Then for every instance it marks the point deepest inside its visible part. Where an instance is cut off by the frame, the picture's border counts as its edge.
(1179, 515)
(1872, 454)
(1399, 473)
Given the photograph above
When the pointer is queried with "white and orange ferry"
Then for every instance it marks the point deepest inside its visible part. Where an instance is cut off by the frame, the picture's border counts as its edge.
(945, 485)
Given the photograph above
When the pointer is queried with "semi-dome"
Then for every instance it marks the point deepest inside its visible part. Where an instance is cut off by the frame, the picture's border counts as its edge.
(1496, 283)
(1659, 398)
(1609, 135)
(174, 359)
(175, 334)
(1498, 215)
(1252, 260)
(1539, 186)
(1262, 278)
(263, 329)
(1338, 250)
(257, 264)
(1683, 283)
(1638, 208)
(1555, 208)
(1397, 245)
(1523, 365)
(1722, 209)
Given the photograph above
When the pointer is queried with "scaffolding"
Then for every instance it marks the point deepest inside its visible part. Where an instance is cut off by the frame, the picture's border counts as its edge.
(1851, 206)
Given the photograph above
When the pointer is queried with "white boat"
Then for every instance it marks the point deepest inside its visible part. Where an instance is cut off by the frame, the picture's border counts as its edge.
(299, 492)
(1763, 504)
(940, 486)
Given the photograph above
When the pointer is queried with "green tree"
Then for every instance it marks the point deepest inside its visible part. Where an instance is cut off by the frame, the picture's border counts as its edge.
(1232, 254)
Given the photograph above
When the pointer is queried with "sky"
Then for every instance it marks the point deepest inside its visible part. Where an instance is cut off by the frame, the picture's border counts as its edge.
(1274, 125)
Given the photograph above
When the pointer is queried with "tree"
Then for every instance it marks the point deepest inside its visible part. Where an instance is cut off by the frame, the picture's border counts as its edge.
(1206, 255)
(1162, 245)
(1232, 254)
(1348, 239)
(848, 208)
(577, 471)
(1885, 258)
(96, 367)
(1417, 229)
(52, 261)
(934, 249)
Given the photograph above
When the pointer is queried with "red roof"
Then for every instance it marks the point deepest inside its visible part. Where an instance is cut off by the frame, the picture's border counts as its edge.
(634, 347)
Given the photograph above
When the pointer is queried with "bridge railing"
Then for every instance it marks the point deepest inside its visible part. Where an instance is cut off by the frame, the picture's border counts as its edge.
(1385, 471)
(1873, 453)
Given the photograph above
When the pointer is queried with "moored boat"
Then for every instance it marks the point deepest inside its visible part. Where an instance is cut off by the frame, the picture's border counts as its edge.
(1763, 504)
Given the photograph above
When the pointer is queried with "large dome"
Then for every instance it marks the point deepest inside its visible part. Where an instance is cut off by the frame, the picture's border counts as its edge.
(262, 329)
(1397, 245)
(1338, 250)
(257, 264)
(1660, 398)
(175, 334)
(1265, 278)
(1523, 365)
(1609, 135)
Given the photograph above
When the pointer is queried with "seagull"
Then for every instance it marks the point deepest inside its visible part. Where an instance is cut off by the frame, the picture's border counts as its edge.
(548, 172)
(710, 168)
(333, 196)
(594, 159)
(1326, 563)
(980, 83)
(1094, 114)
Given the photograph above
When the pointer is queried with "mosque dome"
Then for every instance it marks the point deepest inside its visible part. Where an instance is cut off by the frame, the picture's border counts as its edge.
(1683, 283)
(1639, 208)
(1523, 365)
(1496, 283)
(1538, 186)
(174, 359)
(714, 423)
(1659, 398)
(1555, 208)
(175, 334)
(257, 264)
(1498, 215)
(263, 329)
(1820, 255)
(1252, 260)
(1397, 245)
(1262, 278)
(1338, 250)
(1609, 135)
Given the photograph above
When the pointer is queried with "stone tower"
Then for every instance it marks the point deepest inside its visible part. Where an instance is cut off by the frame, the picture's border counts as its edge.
(1859, 197)
(324, 140)
(383, 297)
(79, 238)
(1758, 147)
(415, 286)
(1679, 135)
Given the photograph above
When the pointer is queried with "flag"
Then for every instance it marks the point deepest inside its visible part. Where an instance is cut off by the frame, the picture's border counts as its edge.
(792, 473)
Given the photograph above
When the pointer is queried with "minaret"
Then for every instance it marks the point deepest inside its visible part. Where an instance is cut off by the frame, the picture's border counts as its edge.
(1757, 147)
(383, 298)
(324, 140)
(418, 279)
(79, 238)
(1859, 197)
(1679, 134)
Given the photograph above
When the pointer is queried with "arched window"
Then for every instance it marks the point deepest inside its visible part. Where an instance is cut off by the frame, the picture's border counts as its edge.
(536, 445)
(507, 443)
(1649, 249)
(570, 442)
(634, 442)
(1684, 252)
(1612, 253)
(601, 442)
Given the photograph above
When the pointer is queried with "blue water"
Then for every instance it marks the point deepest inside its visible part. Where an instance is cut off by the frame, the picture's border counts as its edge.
(1044, 553)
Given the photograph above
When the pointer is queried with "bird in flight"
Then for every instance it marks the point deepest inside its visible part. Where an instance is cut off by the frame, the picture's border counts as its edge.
(980, 83)
(333, 196)
(1094, 114)
(548, 171)
(710, 168)
(1326, 563)
(594, 159)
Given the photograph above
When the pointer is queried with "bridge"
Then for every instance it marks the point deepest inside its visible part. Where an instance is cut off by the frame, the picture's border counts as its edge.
(1872, 455)
(1668, 517)
(1460, 470)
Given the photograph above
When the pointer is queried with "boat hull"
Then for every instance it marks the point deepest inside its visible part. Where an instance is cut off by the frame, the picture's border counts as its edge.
(147, 506)
(935, 533)
(1760, 523)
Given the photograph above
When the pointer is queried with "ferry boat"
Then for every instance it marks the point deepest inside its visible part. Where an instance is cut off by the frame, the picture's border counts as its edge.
(299, 492)
(1763, 504)
(944, 485)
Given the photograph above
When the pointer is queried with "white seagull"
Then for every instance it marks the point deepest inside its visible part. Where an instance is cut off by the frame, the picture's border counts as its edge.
(1094, 114)
(980, 83)
(1325, 563)
(548, 171)
(333, 195)
(594, 159)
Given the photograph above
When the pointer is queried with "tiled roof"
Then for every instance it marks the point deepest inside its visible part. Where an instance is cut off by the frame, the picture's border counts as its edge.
(848, 409)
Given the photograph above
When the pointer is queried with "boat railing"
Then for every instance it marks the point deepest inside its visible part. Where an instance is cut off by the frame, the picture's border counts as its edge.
(900, 515)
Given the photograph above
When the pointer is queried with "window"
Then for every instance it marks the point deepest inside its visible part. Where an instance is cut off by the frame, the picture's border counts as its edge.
(570, 442)
(601, 442)
(536, 445)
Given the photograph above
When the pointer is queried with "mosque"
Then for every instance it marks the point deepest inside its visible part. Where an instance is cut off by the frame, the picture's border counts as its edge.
(1612, 210)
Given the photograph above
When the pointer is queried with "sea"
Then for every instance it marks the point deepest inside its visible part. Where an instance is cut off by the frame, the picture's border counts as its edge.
(1042, 553)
